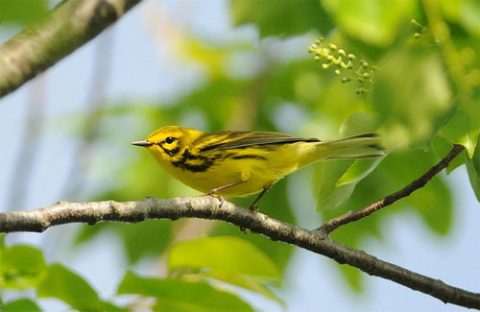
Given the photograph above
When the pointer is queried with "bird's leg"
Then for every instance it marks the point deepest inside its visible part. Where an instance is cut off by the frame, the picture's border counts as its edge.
(214, 191)
(253, 206)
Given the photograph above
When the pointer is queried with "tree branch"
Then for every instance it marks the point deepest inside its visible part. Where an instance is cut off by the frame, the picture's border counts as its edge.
(206, 207)
(71, 25)
(351, 216)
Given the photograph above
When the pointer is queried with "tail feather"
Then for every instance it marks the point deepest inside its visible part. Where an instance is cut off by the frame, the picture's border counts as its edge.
(366, 145)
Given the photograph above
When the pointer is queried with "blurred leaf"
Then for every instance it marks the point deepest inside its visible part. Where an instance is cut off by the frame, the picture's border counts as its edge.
(373, 21)
(281, 18)
(225, 254)
(63, 284)
(229, 259)
(131, 236)
(182, 295)
(353, 277)
(465, 13)
(23, 12)
(21, 266)
(434, 205)
(21, 305)
(463, 127)
(411, 110)
(473, 169)
(336, 180)
(275, 204)
(331, 194)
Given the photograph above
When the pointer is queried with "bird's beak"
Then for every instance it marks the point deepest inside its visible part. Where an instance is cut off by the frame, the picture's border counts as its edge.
(142, 143)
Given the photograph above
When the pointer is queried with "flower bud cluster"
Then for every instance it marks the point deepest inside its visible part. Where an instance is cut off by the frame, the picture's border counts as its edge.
(344, 64)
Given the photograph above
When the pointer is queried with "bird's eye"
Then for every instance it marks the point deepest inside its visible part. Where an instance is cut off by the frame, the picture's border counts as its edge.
(170, 140)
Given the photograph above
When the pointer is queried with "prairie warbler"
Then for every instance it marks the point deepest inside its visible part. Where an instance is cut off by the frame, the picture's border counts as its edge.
(239, 163)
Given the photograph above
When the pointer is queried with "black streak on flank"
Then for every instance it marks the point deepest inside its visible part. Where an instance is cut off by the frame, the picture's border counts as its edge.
(249, 157)
(197, 167)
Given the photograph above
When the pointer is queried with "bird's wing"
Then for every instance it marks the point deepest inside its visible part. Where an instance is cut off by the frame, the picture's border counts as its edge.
(241, 139)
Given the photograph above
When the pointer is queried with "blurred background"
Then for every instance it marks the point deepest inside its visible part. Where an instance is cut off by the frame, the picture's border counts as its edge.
(240, 65)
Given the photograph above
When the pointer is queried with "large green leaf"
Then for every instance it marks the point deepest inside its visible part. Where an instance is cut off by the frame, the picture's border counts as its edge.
(286, 17)
(63, 284)
(182, 295)
(21, 266)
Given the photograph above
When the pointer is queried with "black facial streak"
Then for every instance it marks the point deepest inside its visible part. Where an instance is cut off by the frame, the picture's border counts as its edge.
(198, 167)
(170, 152)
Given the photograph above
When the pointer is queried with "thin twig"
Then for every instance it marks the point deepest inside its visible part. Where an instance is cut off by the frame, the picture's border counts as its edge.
(207, 207)
(351, 216)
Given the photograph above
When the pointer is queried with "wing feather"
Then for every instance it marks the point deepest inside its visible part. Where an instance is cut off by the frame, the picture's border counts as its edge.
(225, 140)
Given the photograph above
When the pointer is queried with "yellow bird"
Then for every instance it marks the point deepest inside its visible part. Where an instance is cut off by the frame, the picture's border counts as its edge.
(240, 163)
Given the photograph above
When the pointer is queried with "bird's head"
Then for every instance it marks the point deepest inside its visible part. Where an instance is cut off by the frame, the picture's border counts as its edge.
(168, 142)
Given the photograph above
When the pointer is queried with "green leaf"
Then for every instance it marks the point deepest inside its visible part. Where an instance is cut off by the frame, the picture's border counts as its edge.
(23, 12)
(21, 305)
(463, 127)
(275, 204)
(286, 17)
(373, 21)
(229, 259)
(473, 169)
(63, 284)
(336, 180)
(131, 234)
(353, 277)
(411, 110)
(463, 12)
(182, 295)
(21, 266)
(226, 254)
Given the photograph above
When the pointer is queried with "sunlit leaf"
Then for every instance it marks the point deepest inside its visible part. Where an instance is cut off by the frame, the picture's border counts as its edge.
(182, 295)
(21, 266)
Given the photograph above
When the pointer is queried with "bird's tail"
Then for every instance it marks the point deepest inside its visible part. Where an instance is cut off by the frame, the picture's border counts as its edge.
(366, 145)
